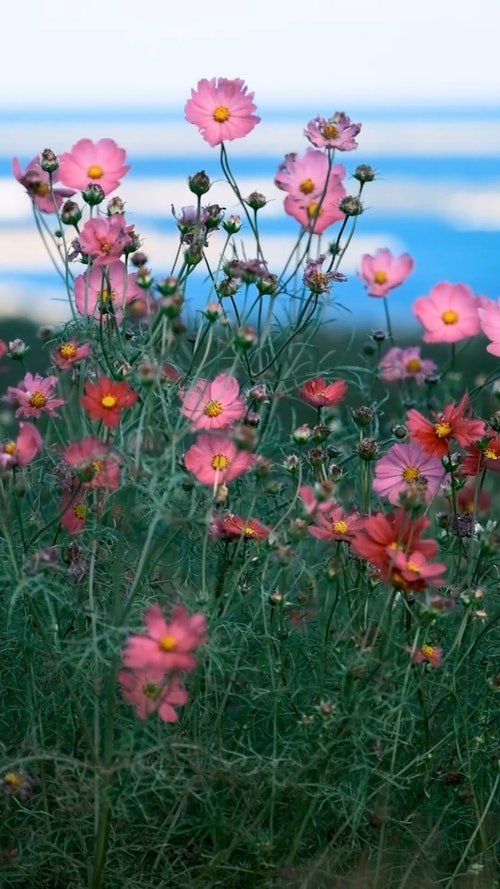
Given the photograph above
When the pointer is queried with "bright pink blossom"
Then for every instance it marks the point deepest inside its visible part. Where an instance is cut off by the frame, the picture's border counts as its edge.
(312, 503)
(489, 319)
(405, 364)
(404, 467)
(383, 271)
(314, 189)
(152, 692)
(213, 405)
(98, 163)
(166, 645)
(221, 109)
(216, 460)
(318, 393)
(449, 313)
(429, 654)
(24, 449)
(102, 293)
(336, 524)
(336, 132)
(35, 396)
(37, 184)
(94, 462)
(69, 353)
(105, 238)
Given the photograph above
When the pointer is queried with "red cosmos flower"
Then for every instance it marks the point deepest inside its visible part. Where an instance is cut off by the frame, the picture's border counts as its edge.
(95, 464)
(383, 535)
(105, 399)
(449, 425)
(232, 527)
(318, 393)
(74, 510)
(413, 572)
(478, 458)
(468, 495)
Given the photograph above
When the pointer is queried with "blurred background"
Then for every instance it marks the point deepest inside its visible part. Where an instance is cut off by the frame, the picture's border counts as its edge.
(422, 78)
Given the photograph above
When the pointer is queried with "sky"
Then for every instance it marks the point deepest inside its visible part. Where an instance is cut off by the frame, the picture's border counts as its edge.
(151, 52)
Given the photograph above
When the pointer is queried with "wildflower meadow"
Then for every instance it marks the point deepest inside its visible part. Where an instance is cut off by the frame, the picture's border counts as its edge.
(250, 621)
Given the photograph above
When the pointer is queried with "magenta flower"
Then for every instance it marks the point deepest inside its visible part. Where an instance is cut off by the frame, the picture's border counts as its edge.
(105, 238)
(215, 459)
(336, 524)
(489, 319)
(213, 405)
(69, 353)
(449, 313)
(105, 293)
(336, 132)
(165, 646)
(405, 364)
(100, 163)
(316, 279)
(152, 692)
(313, 188)
(221, 109)
(429, 654)
(37, 184)
(34, 395)
(404, 466)
(383, 271)
(24, 449)
(318, 393)
(95, 463)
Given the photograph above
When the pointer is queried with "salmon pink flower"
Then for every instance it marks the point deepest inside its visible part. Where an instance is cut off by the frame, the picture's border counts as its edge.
(489, 319)
(74, 510)
(383, 535)
(69, 353)
(383, 271)
(94, 462)
(312, 503)
(213, 405)
(449, 313)
(35, 396)
(106, 399)
(336, 524)
(152, 692)
(100, 163)
(471, 500)
(165, 645)
(429, 654)
(24, 449)
(449, 425)
(105, 238)
(221, 109)
(37, 184)
(413, 572)
(318, 393)
(405, 364)
(216, 460)
(403, 467)
(231, 527)
(336, 132)
(103, 293)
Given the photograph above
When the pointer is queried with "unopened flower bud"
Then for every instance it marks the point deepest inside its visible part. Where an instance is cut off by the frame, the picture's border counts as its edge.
(167, 286)
(46, 333)
(379, 336)
(213, 311)
(257, 394)
(367, 449)
(323, 490)
(334, 472)
(213, 216)
(115, 207)
(246, 337)
(256, 200)
(193, 254)
(431, 379)
(351, 205)
(222, 494)
(199, 183)
(302, 434)
(138, 259)
(244, 437)
(268, 285)
(227, 287)
(232, 225)
(363, 415)
(399, 431)
(291, 463)
(320, 433)
(93, 194)
(172, 305)
(364, 173)
(262, 466)
(71, 213)
(276, 598)
(316, 456)
(297, 529)
(17, 349)
(495, 421)
(49, 161)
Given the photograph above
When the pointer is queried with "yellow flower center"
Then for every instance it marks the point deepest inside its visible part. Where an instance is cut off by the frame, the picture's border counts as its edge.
(307, 186)
(167, 643)
(248, 531)
(380, 277)
(108, 401)
(222, 113)
(427, 650)
(151, 690)
(339, 527)
(395, 545)
(105, 296)
(13, 780)
(413, 365)
(9, 447)
(410, 473)
(220, 461)
(97, 465)
(67, 350)
(412, 566)
(490, 454)
(319, 280)
(442, 429)
(313, 211)
(212, 409)
(450, 316)
(80, 510)
(41, 189)
(37, 399)
(330, 131)
(95, 172)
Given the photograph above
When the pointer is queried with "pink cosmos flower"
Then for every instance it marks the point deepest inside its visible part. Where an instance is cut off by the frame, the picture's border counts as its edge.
(314, 189)
(105, 238)
(336, 524)
(318, 393)
(105, 293)
(312, 503)
(429, 654)
(74, 510)
(95, 463)
(336, 132)
(215, 460)
(404, 466)
(34, 395)
(152, 692)
(213, 405)
(100, 163)
(383, 271)
(67, 354)
(449, 313)
(24, 449)
(3, 348)
(165, 646)
(37, 184)
(221, 109)
(405, 364)
(489, 319)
